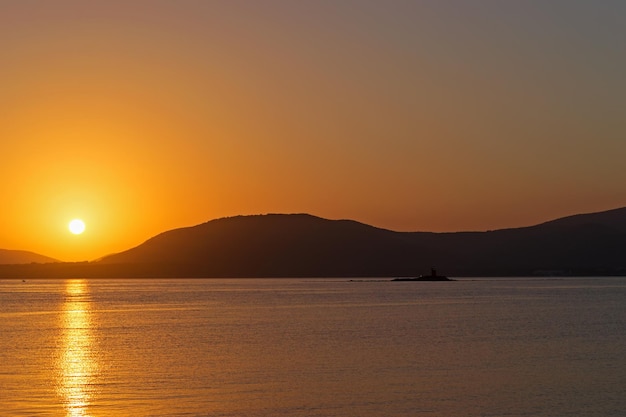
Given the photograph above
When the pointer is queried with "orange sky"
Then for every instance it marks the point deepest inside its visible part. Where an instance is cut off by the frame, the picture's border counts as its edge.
(143, 116)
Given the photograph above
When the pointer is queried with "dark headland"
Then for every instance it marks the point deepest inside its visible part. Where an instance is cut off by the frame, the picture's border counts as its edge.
(301, 245)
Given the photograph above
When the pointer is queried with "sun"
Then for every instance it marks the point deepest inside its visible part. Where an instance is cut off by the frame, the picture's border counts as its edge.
(76, 226)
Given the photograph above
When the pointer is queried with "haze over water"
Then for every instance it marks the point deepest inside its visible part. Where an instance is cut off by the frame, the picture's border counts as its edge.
(264, 347)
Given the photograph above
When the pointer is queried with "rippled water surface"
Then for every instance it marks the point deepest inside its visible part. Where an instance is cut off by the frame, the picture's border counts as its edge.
(283, 347)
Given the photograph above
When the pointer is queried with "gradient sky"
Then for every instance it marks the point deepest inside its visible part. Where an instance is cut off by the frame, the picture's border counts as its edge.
(143, 116)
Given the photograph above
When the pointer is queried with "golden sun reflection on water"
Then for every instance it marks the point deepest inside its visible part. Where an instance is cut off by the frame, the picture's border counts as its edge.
(77, 362)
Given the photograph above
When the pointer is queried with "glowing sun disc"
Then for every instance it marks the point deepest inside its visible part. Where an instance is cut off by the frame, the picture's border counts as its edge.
(76, 226)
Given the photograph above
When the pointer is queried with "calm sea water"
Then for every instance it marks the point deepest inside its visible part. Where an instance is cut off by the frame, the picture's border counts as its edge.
(282, 347)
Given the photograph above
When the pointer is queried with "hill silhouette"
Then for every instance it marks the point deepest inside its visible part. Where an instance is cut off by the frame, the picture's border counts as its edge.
(301, 245)
(272, 245)
(22, 257)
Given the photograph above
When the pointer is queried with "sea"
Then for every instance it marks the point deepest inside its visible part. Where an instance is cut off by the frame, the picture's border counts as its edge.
(313, 347)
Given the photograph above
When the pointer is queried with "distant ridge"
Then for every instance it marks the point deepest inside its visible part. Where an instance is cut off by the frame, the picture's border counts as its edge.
(270, 245)
(302, 245)
(22, 257)
(305, 245)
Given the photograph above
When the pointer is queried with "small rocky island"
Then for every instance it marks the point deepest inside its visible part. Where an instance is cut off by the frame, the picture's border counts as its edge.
(432, 277)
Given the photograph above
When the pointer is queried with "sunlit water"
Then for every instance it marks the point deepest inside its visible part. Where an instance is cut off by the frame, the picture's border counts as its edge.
(507, 347)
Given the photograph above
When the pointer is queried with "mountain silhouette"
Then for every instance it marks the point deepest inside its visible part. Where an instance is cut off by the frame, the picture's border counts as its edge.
(22, 257)
(301, 245)
(282, 245)
(272, 245)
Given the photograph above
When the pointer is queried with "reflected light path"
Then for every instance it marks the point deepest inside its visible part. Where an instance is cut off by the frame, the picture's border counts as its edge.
(77, 361)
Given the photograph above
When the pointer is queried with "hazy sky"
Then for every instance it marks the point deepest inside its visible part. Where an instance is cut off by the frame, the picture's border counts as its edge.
(143, 116)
